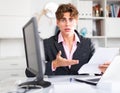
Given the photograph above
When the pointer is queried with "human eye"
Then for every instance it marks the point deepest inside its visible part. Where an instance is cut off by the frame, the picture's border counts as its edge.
(71, 19)
(63, 20)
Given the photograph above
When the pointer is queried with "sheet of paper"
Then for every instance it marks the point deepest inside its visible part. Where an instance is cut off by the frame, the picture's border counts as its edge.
(100, 56)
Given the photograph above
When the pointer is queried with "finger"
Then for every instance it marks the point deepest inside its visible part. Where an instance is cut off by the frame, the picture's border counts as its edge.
(103, 66)
(72, 62)
(59, 53)
(107, 63)
(75, 61)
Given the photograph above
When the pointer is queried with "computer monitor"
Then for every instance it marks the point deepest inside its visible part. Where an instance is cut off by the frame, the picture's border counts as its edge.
(34, 51)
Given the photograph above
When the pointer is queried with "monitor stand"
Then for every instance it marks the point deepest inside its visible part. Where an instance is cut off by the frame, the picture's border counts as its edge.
(35, 84)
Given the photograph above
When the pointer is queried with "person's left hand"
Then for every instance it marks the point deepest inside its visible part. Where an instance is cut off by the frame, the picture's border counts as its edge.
(104, 66)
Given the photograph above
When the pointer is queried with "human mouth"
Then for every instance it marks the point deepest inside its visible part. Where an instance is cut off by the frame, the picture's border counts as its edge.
(67, 29)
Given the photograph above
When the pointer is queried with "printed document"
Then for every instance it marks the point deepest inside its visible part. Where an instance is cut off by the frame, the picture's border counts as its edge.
(100, 56)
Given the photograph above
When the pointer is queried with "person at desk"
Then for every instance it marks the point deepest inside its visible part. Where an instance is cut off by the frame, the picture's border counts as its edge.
(67, 51)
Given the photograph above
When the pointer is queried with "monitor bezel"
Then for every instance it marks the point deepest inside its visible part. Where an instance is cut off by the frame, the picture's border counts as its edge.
(39, 81)
(39, 75)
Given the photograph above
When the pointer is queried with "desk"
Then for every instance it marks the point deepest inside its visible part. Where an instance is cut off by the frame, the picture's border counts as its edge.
(60, 84)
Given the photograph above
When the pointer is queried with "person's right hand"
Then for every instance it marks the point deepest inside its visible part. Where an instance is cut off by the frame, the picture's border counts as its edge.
(104, 66)
(60, 61)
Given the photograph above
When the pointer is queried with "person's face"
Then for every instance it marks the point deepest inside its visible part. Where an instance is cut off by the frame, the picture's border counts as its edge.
(67, 24)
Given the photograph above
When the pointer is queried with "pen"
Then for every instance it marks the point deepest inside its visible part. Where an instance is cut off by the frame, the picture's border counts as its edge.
(88, 82)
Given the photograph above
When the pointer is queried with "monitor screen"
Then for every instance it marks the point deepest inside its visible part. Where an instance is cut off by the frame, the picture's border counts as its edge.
(31, 48)
(34, 50)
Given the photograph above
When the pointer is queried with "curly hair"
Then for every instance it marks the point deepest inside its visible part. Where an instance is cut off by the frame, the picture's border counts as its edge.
(63, 8)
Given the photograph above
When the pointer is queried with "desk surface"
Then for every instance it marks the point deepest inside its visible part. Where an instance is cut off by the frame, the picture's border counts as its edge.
(60, 84)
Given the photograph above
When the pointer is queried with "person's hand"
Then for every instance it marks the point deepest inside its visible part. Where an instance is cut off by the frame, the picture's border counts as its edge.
(104, 66)
(60, 61)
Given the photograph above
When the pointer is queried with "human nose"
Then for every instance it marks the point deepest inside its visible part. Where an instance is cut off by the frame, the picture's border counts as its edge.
(67, 22)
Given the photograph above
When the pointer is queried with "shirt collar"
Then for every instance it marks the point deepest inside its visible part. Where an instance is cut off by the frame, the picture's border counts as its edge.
(60, 38)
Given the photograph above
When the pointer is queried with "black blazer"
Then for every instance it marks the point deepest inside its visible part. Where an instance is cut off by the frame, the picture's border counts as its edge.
(83, 53)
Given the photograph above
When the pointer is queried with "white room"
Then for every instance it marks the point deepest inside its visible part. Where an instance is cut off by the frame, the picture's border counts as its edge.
(98, 20)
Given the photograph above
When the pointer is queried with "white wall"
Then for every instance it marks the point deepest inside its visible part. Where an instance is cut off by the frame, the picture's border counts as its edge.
(13, 16)
(11, 48)
(46, 25)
